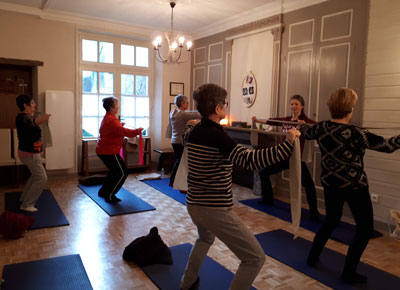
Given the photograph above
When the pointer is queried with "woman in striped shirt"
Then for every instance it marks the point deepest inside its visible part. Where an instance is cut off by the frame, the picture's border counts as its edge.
(211, 154)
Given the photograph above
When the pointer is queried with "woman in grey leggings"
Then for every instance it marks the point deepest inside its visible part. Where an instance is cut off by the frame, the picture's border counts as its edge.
(29, 150)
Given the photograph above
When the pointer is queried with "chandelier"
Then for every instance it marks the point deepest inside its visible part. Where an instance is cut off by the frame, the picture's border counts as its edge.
(175, 44)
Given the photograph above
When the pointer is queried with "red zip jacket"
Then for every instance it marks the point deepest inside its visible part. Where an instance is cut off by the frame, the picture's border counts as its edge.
(112, 135)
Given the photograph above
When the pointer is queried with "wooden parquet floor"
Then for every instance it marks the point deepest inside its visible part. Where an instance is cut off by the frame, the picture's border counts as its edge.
(100, 239)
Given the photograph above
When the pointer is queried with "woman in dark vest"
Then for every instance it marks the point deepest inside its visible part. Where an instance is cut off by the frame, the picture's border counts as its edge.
(298, 115)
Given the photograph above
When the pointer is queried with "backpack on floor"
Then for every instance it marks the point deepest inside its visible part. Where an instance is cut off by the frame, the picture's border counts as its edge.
(147, 250)
(395, 218)
(91, 180)
(13, 225)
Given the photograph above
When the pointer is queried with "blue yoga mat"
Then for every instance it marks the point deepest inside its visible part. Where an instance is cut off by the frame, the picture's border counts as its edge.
(130, 203)
(162, 186)
(49, 214)
(61, 273)
(168, 277)
(281, 246)
(343, 233)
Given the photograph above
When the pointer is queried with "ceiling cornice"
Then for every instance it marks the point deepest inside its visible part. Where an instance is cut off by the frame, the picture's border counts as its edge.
(80, 20)
(265, 11)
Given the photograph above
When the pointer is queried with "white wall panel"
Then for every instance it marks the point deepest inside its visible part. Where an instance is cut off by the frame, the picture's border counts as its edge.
(60, 104)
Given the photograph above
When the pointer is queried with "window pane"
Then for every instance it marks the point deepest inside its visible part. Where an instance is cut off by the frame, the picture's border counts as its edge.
(143, 123)
(90, 127)
(102, 111)
(142, 85)
(106, 52)
(89, 81)
(106, 83)
(126, 84)
(142, 56)
(128, 106)
(127, 54)
(99, 123)
(89, 50)
(142, 107)
(90, 105)
(129, 122)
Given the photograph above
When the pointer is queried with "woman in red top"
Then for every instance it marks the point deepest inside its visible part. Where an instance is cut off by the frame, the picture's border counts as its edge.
(298, 115)
(109, 144)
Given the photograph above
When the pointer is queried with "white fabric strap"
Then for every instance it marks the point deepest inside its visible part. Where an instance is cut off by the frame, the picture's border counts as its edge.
(295, 187)
(180, 181)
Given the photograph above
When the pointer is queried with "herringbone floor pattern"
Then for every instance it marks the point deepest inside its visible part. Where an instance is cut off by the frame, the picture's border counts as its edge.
(100, 239)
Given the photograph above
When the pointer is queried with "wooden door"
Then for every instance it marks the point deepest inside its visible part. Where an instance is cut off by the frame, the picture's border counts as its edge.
(323, 48)
(14, 80)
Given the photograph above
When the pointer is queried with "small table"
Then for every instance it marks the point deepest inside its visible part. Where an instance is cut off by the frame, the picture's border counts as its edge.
(167, 155)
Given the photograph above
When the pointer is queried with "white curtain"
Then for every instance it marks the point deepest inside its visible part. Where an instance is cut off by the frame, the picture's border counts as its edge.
(251, 53)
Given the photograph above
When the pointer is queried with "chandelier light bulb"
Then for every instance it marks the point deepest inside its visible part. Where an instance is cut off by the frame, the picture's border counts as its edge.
(155, 44)
(181, 41)
(189, 45)
(159, 40)
(175, 48)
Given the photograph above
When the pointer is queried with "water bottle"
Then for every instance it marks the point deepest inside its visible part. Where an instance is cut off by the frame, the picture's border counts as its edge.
(162, 173)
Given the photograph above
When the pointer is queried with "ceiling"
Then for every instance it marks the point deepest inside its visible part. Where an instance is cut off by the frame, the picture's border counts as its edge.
(190, 16)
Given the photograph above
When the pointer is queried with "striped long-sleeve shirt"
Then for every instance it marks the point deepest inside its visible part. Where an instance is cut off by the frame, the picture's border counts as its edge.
(211, 154)
(342, 148)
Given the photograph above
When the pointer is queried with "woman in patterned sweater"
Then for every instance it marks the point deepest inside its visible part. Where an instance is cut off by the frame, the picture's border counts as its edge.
(211, 154)
(343, 178)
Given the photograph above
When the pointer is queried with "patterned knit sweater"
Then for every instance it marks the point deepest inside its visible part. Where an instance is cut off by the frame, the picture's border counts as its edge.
(342, 148)
(211, 154)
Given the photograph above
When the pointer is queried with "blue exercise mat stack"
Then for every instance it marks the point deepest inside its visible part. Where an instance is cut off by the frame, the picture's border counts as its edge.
(168, 277)
(129, 203)
(281, 246)
(48, 215)
(162, 185)
(343, 233)
(61, 273)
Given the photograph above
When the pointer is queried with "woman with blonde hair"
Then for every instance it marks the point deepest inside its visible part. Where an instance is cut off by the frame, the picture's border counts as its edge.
(343, 177)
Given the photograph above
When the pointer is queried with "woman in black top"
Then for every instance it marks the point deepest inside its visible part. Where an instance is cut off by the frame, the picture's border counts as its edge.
(343, 177)
(29, 151)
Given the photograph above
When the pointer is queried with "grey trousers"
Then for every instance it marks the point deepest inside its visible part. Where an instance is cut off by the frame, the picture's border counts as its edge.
(35, 184)
(224, 224)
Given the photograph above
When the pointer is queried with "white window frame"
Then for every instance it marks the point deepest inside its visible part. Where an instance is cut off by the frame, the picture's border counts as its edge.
(116, 68)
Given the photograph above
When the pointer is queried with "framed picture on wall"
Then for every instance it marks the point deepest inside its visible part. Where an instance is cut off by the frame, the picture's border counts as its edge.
(172, 106)
(176, 89)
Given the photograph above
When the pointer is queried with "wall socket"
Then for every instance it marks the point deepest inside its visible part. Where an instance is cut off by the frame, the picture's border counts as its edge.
(374, 198)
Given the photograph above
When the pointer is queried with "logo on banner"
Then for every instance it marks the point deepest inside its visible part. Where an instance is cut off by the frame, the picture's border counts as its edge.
(249, 89)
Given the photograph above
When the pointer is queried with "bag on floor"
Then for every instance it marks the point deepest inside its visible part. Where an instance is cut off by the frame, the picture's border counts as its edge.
(148, 250)
(395, 218)
(91, 180)
(13, 225)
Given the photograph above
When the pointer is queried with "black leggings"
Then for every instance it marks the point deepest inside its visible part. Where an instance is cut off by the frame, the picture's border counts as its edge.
(306, 181)
(360, 205)
(117, 174)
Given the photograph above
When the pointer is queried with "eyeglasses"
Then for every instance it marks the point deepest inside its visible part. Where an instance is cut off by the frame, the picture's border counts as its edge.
(32, 102)
(225, 104)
